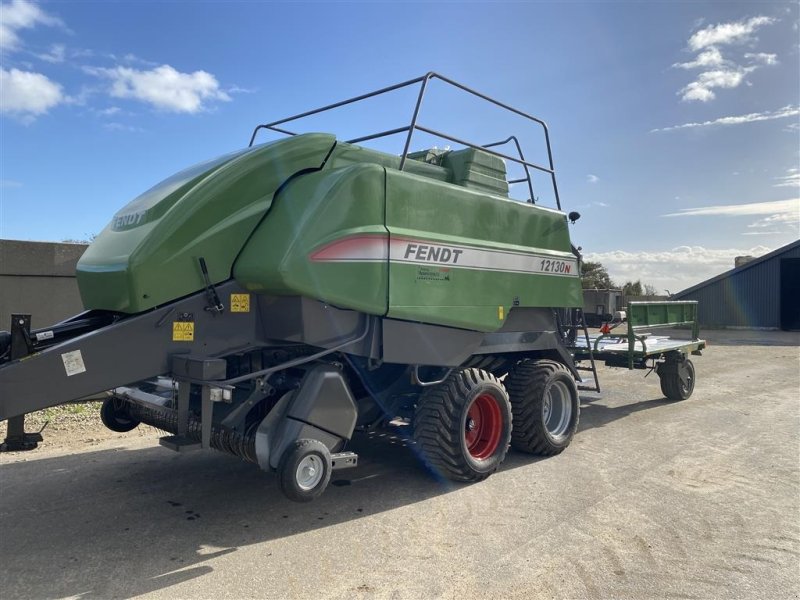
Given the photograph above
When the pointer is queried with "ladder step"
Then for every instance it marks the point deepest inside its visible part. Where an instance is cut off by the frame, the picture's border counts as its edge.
(587, 388)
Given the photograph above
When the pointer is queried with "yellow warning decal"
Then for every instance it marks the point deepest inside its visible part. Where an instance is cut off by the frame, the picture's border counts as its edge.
(240, 302)
(183, 331)
(500, 313)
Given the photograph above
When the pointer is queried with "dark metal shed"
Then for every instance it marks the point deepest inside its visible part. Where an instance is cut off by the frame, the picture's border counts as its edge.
(764, 292)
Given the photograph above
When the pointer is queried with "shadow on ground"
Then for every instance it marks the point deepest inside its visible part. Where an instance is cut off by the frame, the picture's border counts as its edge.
(83, 519)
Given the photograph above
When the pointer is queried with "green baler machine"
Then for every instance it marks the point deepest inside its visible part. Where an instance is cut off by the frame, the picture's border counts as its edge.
(273, 301)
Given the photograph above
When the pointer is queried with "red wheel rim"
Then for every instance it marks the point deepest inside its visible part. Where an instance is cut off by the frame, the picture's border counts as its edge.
(483, 427)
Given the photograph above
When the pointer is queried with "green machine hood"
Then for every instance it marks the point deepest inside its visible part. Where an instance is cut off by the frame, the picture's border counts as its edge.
(149, 254)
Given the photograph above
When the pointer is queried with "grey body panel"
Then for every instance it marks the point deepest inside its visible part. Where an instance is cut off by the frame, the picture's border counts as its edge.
(405, 342)
(125, 352)
(324, 400)
(139, 347)
(308, 321)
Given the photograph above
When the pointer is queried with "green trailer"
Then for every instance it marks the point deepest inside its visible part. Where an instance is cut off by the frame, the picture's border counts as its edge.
(275, 301)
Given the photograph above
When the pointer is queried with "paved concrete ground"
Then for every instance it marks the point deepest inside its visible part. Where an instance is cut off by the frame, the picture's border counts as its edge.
(653, 499)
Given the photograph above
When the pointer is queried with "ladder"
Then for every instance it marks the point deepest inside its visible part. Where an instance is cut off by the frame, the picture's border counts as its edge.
(579, 323)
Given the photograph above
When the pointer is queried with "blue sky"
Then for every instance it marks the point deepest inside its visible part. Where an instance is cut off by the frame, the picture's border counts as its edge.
(675, 126)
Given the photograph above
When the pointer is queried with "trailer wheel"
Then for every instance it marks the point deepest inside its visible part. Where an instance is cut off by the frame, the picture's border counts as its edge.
(545, 405)
(115, 417)
(305, 470)
(677, 379)
(463, 425)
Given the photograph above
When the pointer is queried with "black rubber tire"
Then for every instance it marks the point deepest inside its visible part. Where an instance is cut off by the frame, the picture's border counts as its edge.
(440, 425)
(677, 380)
(528, 383)
(115, 417)
(287, 470)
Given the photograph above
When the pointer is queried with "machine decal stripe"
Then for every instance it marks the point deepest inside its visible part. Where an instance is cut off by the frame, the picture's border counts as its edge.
(402, 250)
(356, 248)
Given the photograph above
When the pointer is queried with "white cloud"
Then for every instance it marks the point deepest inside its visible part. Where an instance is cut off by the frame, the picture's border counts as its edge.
(21, 14)
(164, 87)
(122, 127)
(786, 218)
(57, 54)
(107, 112)
(763, 57)
(708, 58)
(592, 178)
(782, 113)
(26, 94)
(722, 73)
(782, 215)
(9, 183)
(674, 269)
(131, 58)
(701, 88)
(791, 206)
(727, 33)
(791, 179)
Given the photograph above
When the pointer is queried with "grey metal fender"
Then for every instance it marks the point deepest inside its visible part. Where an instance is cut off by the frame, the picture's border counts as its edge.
(322, 408)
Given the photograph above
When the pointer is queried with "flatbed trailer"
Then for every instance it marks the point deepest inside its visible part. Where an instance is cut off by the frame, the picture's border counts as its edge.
(633, 345)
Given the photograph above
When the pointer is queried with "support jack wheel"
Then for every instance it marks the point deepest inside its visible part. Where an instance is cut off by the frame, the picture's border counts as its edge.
(305, 470)
(115, 417)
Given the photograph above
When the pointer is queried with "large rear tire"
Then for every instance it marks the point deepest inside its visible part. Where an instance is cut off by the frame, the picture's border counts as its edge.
(463, 425)
(545, 405)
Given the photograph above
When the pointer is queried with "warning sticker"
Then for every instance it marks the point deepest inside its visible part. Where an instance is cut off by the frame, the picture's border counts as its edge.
(500, 313)
(240, 303)
(73, 363)
(183, 331)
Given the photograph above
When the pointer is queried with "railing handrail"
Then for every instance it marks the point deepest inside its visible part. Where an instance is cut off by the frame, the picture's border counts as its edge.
(415, 126)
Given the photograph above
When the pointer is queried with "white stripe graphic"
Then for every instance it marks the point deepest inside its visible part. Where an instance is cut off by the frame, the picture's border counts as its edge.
(373, 248)
(422, 252)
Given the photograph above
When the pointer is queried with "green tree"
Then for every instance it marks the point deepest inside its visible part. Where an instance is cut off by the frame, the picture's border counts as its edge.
(650, 290)
(595, 275)
(637, 288)
(632, 288)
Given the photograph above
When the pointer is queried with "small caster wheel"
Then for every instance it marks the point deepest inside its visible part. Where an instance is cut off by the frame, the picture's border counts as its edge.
(115, 417)
(305, 470)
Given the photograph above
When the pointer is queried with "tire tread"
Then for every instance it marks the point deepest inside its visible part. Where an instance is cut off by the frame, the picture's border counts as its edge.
(437, 424)
(526, 384)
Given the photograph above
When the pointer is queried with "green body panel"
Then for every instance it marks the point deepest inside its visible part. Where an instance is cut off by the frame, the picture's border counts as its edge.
(358, 234)
(464, 297)
(148, 255)
(311, 212)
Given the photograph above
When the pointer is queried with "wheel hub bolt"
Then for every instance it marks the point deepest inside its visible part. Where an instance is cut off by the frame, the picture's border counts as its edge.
(470, 424)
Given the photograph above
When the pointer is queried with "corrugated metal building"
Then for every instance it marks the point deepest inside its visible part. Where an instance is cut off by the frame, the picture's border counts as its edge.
(764, 292)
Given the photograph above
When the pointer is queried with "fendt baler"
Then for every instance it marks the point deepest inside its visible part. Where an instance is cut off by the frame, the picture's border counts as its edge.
(271, 302)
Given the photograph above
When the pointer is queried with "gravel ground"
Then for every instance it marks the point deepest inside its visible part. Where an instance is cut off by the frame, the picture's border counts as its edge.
(654, 499)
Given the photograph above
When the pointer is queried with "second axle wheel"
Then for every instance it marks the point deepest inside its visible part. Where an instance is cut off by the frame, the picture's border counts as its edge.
(463, 425)
(544, 398)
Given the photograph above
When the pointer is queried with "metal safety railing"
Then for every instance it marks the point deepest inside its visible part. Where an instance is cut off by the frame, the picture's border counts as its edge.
(414, 125)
